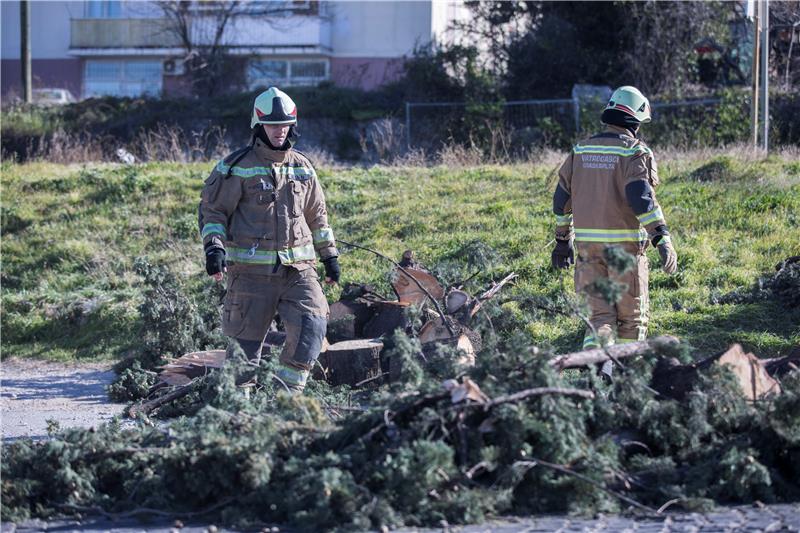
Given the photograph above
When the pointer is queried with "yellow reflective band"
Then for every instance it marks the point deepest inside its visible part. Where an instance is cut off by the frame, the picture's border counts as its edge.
(293, 377)
(610, 235)
(300, 173)
(625, 341)
(564, 220)
(213, 229)
(251, 172)
(611, 150)
(590, 342)
(651, 216)
(322, 235)
(249, 256)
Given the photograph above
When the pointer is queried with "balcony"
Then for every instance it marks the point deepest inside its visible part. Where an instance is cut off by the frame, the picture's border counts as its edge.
(121, 33)
(243, 35)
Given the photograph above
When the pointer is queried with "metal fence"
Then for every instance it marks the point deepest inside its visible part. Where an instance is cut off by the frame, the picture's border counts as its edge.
(549, 122)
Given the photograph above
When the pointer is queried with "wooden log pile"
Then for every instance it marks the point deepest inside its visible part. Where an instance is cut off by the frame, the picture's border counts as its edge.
(362, 320)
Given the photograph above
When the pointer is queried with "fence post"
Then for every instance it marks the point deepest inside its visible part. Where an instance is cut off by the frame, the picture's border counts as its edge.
(576, 107)
(408, 125)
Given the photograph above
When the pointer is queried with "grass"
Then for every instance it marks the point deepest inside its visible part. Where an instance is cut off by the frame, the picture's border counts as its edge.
(70, 235)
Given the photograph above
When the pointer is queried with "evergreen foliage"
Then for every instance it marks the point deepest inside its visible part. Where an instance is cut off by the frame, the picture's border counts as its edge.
(407, 455)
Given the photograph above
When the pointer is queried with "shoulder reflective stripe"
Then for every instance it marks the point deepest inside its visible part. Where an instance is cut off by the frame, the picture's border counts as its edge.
(651, 216)
(270, 257)
(610, 150)
(213, 229)
(322, 235)
(625, 341)
(251, 172)
(301, 173)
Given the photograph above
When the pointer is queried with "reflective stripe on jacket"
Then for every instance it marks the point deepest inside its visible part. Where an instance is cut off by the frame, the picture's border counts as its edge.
(265, 208)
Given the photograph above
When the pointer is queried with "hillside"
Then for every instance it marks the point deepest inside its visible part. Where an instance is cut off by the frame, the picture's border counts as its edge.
(71, 235)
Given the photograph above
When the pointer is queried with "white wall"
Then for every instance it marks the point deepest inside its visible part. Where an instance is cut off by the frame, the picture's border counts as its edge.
(49, 28)
(379, 28)
(445, 12)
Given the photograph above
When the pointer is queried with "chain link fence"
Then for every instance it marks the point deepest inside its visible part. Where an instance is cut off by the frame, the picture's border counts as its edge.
(556, 122)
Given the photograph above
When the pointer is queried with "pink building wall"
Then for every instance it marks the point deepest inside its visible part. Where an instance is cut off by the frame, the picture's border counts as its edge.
(365, 72)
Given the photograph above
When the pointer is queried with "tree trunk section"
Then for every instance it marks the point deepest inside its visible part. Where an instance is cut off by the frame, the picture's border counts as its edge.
(350, 362)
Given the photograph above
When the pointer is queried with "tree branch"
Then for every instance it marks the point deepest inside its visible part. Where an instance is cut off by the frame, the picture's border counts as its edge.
(444, 317)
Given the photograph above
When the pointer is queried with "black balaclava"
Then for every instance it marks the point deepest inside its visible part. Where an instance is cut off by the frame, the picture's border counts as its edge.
(615, 117)
(291, 138)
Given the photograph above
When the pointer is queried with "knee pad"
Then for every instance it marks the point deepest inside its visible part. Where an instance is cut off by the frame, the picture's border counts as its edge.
(304, 340)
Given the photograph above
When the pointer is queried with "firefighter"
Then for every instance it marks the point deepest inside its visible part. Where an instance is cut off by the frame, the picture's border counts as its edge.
(263, 220)
(605, 197)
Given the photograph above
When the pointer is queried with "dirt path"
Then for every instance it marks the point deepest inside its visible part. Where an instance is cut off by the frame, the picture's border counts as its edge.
(33, 392)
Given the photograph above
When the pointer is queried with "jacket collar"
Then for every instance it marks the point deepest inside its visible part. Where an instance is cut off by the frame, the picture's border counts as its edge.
(265, 152)
(619, 130)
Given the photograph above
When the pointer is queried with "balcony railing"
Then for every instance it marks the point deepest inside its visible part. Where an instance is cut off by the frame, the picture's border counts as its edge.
(242, 34)
(122, 33)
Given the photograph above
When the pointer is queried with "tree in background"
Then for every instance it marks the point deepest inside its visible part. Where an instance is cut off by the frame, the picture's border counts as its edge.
(541, 49)
(785, 38)
(661, 55)
(204, 31)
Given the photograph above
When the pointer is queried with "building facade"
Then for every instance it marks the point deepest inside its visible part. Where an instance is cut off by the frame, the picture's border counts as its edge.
(130, 48)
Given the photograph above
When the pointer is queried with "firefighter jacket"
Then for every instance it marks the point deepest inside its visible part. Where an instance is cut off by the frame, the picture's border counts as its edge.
(605, 191)
(266, 207)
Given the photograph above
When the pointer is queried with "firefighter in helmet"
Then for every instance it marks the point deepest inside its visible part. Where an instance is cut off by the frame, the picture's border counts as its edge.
(263, 221)
(606, 197)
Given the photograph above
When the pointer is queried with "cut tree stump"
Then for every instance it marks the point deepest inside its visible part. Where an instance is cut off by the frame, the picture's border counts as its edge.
(347, 320)
(674, 380)
(409, 292)
(350, 362)
(388, 317)
(434, 333)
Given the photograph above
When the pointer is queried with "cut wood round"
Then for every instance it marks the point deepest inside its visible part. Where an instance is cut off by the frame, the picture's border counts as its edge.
(674, 380)
(351, 362)
(456, 299)
(347, 320)
(388, 317)
(409, 292)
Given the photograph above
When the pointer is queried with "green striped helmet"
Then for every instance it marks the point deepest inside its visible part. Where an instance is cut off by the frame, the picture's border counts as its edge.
(273, 106)
(630, 100)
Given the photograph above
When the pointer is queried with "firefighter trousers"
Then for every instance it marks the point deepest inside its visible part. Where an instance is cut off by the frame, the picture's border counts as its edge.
(251, 302)
(625, 320)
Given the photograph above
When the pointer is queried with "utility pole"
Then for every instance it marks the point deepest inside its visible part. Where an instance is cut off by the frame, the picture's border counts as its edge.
(756, 71)
(25, 49)
(765, 74)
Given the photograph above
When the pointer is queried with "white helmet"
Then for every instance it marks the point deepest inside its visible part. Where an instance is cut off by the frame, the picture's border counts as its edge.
(273, 106)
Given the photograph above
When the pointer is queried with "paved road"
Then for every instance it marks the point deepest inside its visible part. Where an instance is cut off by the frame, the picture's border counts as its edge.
(33, 392)
(749, 519)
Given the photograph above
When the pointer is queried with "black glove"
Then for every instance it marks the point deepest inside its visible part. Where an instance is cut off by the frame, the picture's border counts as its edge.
(215, 260)
(332, 269)
(563, 255)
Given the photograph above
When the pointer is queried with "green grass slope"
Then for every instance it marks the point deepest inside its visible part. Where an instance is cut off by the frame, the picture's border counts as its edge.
(71, 234)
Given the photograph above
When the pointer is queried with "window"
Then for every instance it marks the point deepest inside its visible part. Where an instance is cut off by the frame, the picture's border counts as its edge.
(122, 78)
(103, 9)
(267, 73)
(285, 72)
